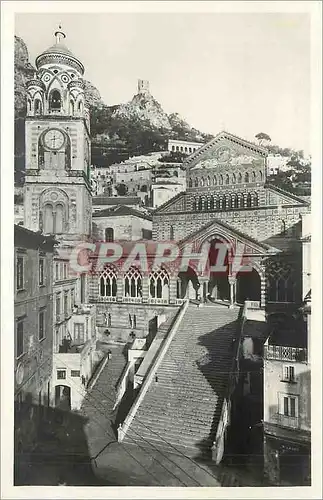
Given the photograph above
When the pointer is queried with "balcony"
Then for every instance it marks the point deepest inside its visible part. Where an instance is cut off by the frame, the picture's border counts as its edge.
(283, 353)
(285, 421)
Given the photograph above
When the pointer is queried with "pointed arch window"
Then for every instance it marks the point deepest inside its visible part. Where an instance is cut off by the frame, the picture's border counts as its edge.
(246, 177)
(196, 182)
(200, 204)
(233, 178)
(221, 180)
(159, 284)
(249, 200)
(208, 181)
(108, 283)
(253, 176)
(55, 101)
(202, 182)
(29, 105)
(260, 175)
(227, 179)
(215, 181)
(80, 107)
(190, 183)
(54, 218)
(72, 107)
(133, 283)
(239, 178)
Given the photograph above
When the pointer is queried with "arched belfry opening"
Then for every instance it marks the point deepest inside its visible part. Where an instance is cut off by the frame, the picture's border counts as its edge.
(55, 100)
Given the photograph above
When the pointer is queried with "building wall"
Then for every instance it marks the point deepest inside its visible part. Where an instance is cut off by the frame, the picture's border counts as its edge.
(259, 223)
(161, 193)
(174, 145)
(274, 386)
(33, 368)
(127, 227)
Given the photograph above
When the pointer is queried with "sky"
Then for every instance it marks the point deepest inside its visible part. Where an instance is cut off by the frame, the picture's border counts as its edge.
(244, 73)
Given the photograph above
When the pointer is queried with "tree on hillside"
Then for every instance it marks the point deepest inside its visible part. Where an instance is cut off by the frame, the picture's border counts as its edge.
(262, 138)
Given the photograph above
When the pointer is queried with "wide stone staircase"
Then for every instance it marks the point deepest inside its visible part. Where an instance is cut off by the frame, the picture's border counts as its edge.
(181, 409)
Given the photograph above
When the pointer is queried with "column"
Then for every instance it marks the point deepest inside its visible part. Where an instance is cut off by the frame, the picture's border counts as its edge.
(232, 283)
(262, 290)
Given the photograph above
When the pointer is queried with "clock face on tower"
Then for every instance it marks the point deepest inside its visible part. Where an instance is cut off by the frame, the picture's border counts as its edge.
(54, 139)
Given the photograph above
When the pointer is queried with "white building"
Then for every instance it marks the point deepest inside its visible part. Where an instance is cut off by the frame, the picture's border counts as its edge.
(187, 147)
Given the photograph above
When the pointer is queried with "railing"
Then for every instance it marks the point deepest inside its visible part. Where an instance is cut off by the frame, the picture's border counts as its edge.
(283, 353)
(108, 299)
(285, 421)
(132, 300)
(158, 301)
(122, 430)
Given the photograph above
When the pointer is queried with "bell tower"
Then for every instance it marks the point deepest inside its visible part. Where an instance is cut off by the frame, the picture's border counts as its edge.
(57, 130)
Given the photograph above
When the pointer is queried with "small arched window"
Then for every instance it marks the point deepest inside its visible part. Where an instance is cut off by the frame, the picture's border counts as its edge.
(71, 107)
(190, 183)
(202, 182)
(173, 148)
(196, 182)
(205, 204)
(109, 234)
(221, 180)
(55, 101)
(171, 232)
(215, 181)
(260, 175)
(227, 179)
(255, 200)
(29, 105)
(239, 178)
(249, 200)
(208, 181)
(233, 179)
(80, 107)
(59, 218)
(253, 176)
(246, 177)
(200, 204)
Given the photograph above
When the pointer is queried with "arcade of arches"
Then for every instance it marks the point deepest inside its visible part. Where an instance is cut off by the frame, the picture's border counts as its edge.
(161, 285)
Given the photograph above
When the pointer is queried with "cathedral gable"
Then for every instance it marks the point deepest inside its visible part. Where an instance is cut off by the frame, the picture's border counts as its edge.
(226, 151)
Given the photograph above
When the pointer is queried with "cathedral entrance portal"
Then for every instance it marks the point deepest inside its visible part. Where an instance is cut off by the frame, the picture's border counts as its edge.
(187, 284)
(248, 286)
(218, 287)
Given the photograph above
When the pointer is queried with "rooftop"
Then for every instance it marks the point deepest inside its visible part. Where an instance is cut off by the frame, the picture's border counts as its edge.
(120, 211)
(116, 200)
